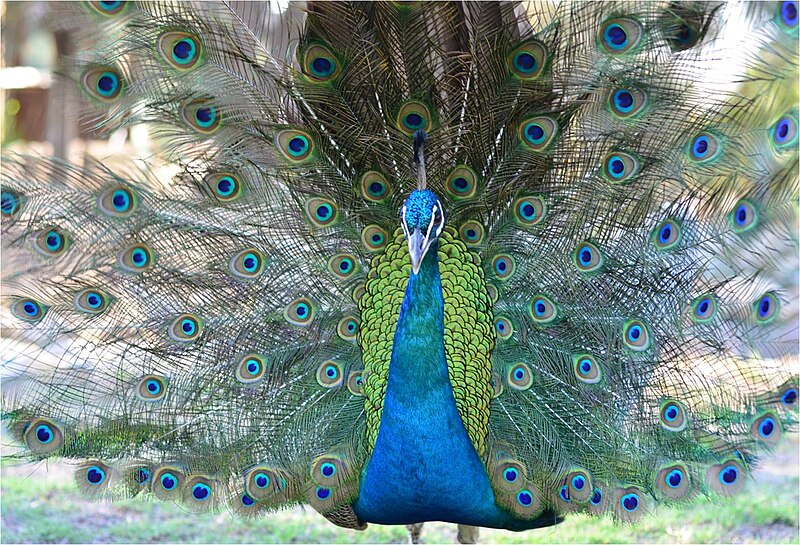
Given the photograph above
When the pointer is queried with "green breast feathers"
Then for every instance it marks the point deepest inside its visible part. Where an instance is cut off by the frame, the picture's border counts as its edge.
(468, 332)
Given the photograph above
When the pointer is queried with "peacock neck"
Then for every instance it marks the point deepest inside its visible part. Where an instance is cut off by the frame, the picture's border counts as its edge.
(424, 466)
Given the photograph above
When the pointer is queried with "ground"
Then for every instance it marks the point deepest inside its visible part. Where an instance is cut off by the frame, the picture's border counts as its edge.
(40, 504)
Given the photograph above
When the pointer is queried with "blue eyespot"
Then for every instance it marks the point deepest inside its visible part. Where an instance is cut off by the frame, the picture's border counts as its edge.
(616, 166)
(789, 397)
(511, 474)
(503, 266)
(28, 309)
(324, 212)
(44, 434)
(704, 147)
(524, 498)
(671, 412)
(139, 257)
(789, 13)
(630, 502)
(728, 475)
(323, 493)
(322, 67)
(107, 84)
(9, 202)
(168, 481)
(623, 99)
(586, 369)
(525, 62)
(201, 491)
(328, 470)
(615, 36)
(247, 501)
(153, 386)
(535, 133)
(95, 475)
(767, 307)
(205, 116)
(564, 494)
(298, 145)
(704, 308)
(767, 427)
(674, 478)
(261, 480)
(184, 50)
(597, 497)
(142, 475)
(578, 482)
(634, 333)
(414, 121)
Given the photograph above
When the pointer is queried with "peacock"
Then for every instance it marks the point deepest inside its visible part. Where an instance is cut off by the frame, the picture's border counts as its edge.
(487, 263)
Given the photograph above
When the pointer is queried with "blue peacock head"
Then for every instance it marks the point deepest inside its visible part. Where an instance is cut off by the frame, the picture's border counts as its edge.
(422, 218)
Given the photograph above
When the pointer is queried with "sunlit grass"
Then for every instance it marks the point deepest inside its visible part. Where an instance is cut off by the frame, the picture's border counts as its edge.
(45, 507)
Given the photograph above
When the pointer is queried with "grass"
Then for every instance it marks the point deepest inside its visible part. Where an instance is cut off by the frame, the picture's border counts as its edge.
(42, 505)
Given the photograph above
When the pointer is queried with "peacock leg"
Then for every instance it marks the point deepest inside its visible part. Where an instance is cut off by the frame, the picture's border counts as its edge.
(467, 534)
(414, 531)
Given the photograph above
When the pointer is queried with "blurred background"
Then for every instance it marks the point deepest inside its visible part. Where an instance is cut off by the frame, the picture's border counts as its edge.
(40, 502)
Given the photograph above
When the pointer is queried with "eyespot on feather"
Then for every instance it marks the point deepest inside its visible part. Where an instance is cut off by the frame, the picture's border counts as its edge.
(767, 429)
(223, 186)
(537, 133)
(413, 116)
(343, 266)
(375, 187)
(329, 374)
(247, 264)
(151, 388)
(355, 383)
(103, 83)
(117, 201)
(347, 328)
(471, 233)
(586, 369)
(673, 481)
(620, 167)
(620, 35)
(704, 148)
(627, 102)
(91, 301)
(43, 437)
(300, 312)
(319, 63)
(374, 238)
(528, 60)
(202, 115)
(11, 203)
(462, 183)
(168, 482)
(529, 210)
(27, 309)
(542, 310)
(672, 415)
(182, 51)
(136, 258)
(519, 377)
(52, 241)
(636, 336)
(766, 308)
(107, 8)
(667, 235)
(185, 328)
(321, 212)
(726, 478)
(587, 258)
(295, 145)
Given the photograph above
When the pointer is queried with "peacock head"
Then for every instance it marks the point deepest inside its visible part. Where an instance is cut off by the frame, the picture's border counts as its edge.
(422, 218)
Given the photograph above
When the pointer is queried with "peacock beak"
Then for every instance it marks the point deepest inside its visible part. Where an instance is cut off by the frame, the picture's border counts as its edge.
(418, 245)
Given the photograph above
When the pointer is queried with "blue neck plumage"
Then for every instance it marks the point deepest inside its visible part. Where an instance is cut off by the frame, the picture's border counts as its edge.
(424, 466)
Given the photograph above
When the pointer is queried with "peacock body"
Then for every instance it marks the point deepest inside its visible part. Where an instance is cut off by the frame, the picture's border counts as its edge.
(483, 263)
